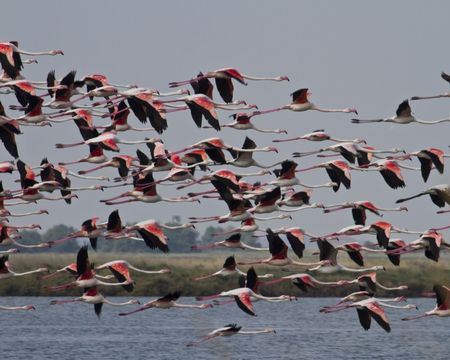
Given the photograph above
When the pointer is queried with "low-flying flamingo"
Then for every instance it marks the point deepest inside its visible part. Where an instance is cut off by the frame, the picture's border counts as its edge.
(232, 242)
(229, 268)
(329, 263)
(442, 308)
(320, 135)
(439, 194)
(17, 308)
(370, 309)
(302, 281)
(245, 159)
(242, 121)
(223, 78)
(359, 209)
(166, 302)
(431, 241)
(368, 282)
(113, 265)
(92, 296)
(279, 253)
(445, 77)
(86, 275)
(403, 115)
(245, 294)
(229, 330)
(6, 272)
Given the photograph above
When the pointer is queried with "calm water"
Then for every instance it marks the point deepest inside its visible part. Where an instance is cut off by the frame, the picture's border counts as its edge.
(72, 331)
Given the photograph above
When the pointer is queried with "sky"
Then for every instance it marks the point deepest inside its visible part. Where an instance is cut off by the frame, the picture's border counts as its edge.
(370, 55)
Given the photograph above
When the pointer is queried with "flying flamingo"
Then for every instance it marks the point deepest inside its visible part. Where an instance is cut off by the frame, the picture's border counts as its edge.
(403, 116)
(95, 156)
(86, 275)
(381, 229)
(71, 269)
(245, 294)
(359, 209)
(431, 241)
(92, 296)
(88, 230)
(121, 162)
(368, 309)
(166, 302)
(229, 330)
(368, 282)
(113, 265)
(108, 140)
(10, 57)
(279, 252)
(229, 268)
(202, 106)
(338, 171)
(302, 281)
(300, 102)
(223, 78)
(442, 308)
(16, 308)
(320, 135)
(8, 236)
(445, 77)
(145, 191)
(6, 272)
(329, 264)
(242, 121)
(232, 242)
(439, 194)
(245, 159)
(350, 151)
(294, 198)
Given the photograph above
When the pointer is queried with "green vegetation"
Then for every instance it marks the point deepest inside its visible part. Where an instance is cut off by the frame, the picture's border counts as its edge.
(415, 271)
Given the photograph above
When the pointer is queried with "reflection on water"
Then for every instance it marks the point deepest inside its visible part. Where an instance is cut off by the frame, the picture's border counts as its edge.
(73, 331)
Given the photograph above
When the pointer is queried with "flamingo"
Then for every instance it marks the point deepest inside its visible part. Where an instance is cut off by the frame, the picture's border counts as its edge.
(108, 140)
(88, 230)
(403, 116)
(442, 308)
(229, 330)
(7, 237)
(229, 268)
(390, 170)
(72, 270)
(439, 194)
(86, 275)
(368, 282)
(95, 156)
(166, 302)
(350, 151)
(16, 308)
(431, 241)
(302, 281)
(92, 296)
(202, 106)
(381, 229)
(245, 159)
(329, 264)
(245, 294)
(117, 264)
(300, 102)
(295, 198)
(121, 162)
(371, 309)
(338, 171)
(320, 135)
(6, 272)
(232, 242)
(223, 78)
(445, 77)
(279, 252)
(242, 121)
(10, 57)
(359, 209)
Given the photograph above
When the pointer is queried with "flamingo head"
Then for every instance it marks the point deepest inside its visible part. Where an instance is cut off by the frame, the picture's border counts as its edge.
(43, 211)
(30, 307)
(351, 110)
(165, 271)
(56, 52)
(403, 208)
(272, 148)
(135, 302)
(282, 78)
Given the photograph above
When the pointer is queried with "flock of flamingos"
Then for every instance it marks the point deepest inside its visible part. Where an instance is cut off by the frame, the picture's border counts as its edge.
(246, 202)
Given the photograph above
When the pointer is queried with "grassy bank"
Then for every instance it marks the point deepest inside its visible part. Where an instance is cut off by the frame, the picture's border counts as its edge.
(416, 272)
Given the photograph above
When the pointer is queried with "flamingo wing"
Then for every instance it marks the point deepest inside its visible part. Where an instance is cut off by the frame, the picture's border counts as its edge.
(245, 304)
(121, 273)
(378, 314)
(297, 244)
(225, 88)
(98, 309)
(364, 318)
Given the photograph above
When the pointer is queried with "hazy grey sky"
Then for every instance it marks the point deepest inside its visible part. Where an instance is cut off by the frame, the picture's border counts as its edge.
(371, 55)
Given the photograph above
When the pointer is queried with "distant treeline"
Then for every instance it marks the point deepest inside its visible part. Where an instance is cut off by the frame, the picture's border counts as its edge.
(180, 241)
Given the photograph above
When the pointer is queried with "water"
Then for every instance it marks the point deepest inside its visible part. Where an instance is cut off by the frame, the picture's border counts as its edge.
(72, 331)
